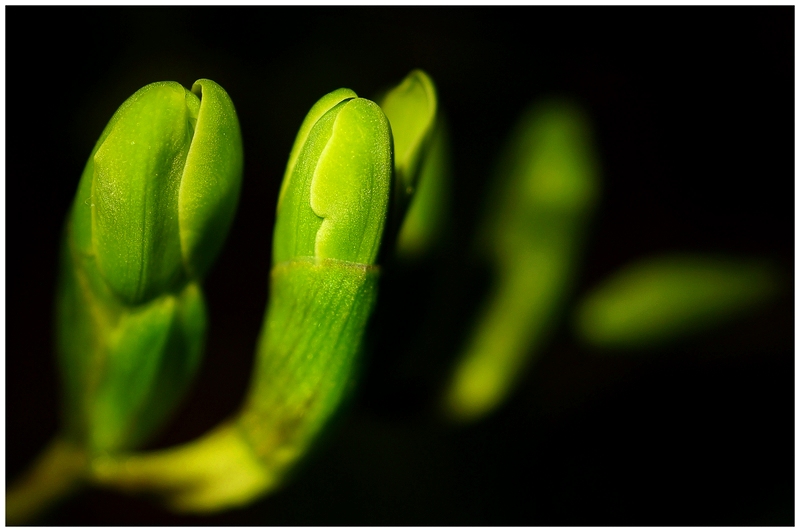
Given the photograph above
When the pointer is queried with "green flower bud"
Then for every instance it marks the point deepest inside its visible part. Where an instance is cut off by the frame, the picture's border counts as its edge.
(323, 284)
(333, 199)
(160, 189)
(154, 204)
(421, 163)
(411, 108)
(548, 183)
(331, 212)
(428, 213)
(663, 299)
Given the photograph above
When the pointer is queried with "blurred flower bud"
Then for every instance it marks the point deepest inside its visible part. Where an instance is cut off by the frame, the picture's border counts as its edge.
(660, 300)
(548, 182)
(411, 108)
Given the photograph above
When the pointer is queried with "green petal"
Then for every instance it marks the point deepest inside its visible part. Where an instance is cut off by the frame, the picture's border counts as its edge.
(335, 197)
(318, 110)
(411, 109)
(209, 190)
(137, 175)
(351, 183)
(296, 224)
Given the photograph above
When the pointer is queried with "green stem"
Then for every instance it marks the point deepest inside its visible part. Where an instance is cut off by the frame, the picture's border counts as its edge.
(194, 477)
(57, 472)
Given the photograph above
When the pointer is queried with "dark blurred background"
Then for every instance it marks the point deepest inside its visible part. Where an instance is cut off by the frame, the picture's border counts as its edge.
(693, 110)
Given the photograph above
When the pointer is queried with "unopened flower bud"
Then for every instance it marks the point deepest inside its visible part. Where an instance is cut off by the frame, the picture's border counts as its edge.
(160, 189)
(336, 189)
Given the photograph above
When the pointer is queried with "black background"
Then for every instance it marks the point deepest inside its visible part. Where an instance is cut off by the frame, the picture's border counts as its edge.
(693, 110)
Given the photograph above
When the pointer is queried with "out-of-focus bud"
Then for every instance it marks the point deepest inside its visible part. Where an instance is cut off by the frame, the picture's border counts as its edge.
(153, 207)
(547, 185)
(664, 299)
(428, 214)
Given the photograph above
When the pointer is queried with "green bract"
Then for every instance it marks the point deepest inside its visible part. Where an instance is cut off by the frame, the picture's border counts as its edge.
(153, 206)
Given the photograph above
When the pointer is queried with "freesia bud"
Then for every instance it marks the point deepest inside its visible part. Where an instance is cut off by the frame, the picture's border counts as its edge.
(323, 286)
(659, 300)
(335, 191)
(153, 207)
(160, 189)
(421, 163)
(547, 184)
(411, 108)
